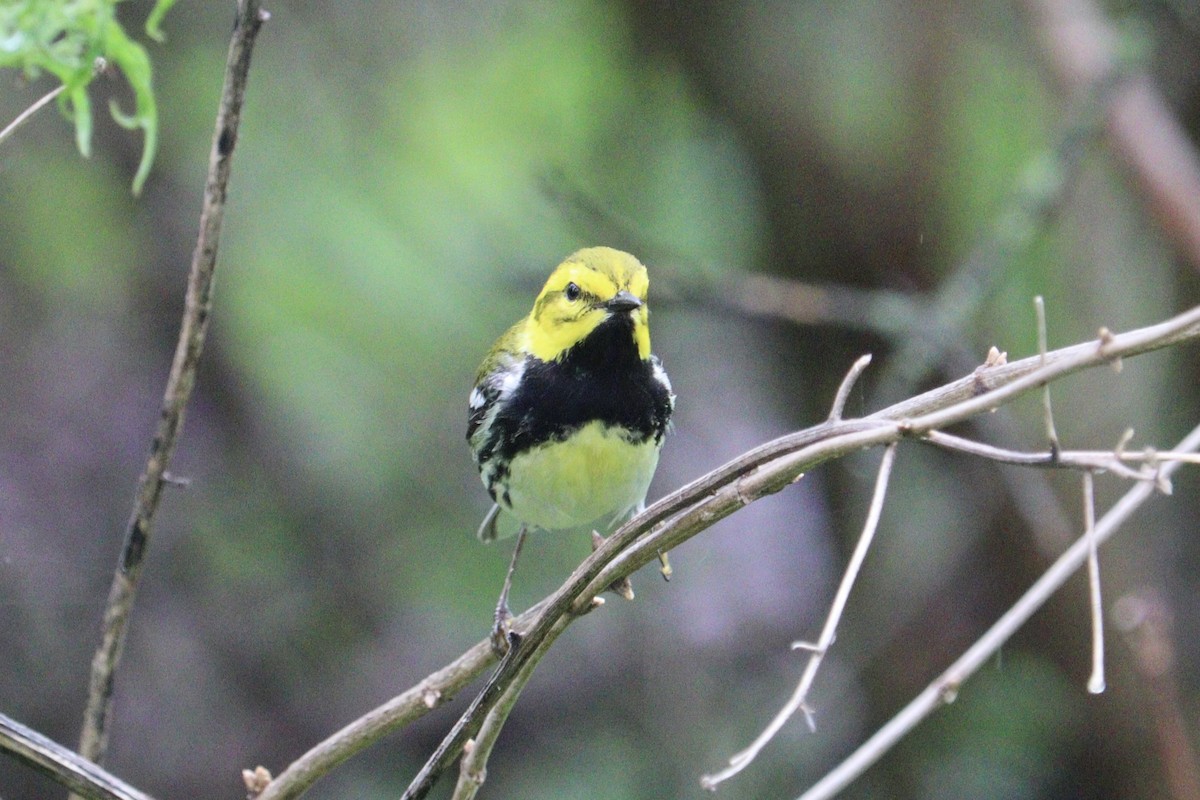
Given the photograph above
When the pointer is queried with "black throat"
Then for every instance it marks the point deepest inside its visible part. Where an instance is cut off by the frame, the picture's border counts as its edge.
(600, 379)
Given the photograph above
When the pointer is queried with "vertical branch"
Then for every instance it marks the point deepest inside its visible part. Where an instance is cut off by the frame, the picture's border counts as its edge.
(94, 737)
(1145, 621)
(1095, 683)
(1039, 306)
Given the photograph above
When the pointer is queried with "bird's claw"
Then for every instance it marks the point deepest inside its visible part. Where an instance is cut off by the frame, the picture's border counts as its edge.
(500, 630)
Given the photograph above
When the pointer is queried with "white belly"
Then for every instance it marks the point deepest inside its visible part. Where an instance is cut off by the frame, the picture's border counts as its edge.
(597, 476)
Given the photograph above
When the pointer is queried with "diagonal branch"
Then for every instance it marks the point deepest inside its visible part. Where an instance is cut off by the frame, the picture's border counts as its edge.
(58, 763)
(94, 738)
(1079, 45)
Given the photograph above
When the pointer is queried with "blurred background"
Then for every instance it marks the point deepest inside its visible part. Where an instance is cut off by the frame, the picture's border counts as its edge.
(407, 175)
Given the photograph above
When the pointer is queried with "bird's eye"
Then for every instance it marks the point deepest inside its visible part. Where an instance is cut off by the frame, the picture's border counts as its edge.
(572, 292)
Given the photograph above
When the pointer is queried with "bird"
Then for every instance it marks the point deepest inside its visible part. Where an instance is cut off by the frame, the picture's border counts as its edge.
(570, 408)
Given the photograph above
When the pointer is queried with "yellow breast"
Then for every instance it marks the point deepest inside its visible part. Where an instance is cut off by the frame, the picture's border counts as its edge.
(597, 475)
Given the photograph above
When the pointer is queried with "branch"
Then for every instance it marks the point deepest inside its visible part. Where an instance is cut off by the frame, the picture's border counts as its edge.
(28, 113)
(94, 737)
(1088, 460)
(61, 765)
(435, 690)
(698, 505)
(1141, 128)
(473, 769)
(99, 66)
(945, 688)
(1145, 622)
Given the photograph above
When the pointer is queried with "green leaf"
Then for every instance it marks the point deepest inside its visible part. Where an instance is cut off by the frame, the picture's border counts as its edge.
(155, 19)
(65, 38)
(134, 62)
(81, 110)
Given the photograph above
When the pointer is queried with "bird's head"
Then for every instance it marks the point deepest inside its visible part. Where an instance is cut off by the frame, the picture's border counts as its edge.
(591, 287)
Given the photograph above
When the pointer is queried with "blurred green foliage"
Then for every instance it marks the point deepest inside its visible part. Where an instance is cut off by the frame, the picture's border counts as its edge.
(72, 39)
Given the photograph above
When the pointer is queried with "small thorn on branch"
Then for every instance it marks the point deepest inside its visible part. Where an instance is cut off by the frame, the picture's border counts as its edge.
(665, 566)
(1122, 443)
(810, 719)
(995, 358)
(255, 780)
(179, 481)
(1106, 340)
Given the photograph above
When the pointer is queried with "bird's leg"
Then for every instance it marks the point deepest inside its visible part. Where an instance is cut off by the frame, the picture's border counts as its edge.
(503, 615)
(622, 587)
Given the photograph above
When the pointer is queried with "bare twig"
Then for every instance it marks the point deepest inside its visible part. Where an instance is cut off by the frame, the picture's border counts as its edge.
(61, 765)
(1039, 306)
(946, 686)
(94, 737)
(432, 692)
(98, 66)
(28, 113)
(799, 699)
(1087, 460)
(698, 505)
(1029, 490)
(843, 392)
(1096, 681)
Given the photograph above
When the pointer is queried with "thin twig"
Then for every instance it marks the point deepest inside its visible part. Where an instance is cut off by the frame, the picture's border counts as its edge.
(1096, 681)
(1039, 306)
(1032, 496)
(469, 724)
(28, 113)
(698, 505)
(66, 768)
(94, 737)
(98, 67)
(1086, 460)
(946, 686)
(799, 698)
(843, 392)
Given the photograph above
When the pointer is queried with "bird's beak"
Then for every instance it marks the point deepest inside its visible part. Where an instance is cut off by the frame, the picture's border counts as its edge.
(623, 301)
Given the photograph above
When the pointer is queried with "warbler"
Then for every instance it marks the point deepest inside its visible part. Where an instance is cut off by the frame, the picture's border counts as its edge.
(570, 407)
